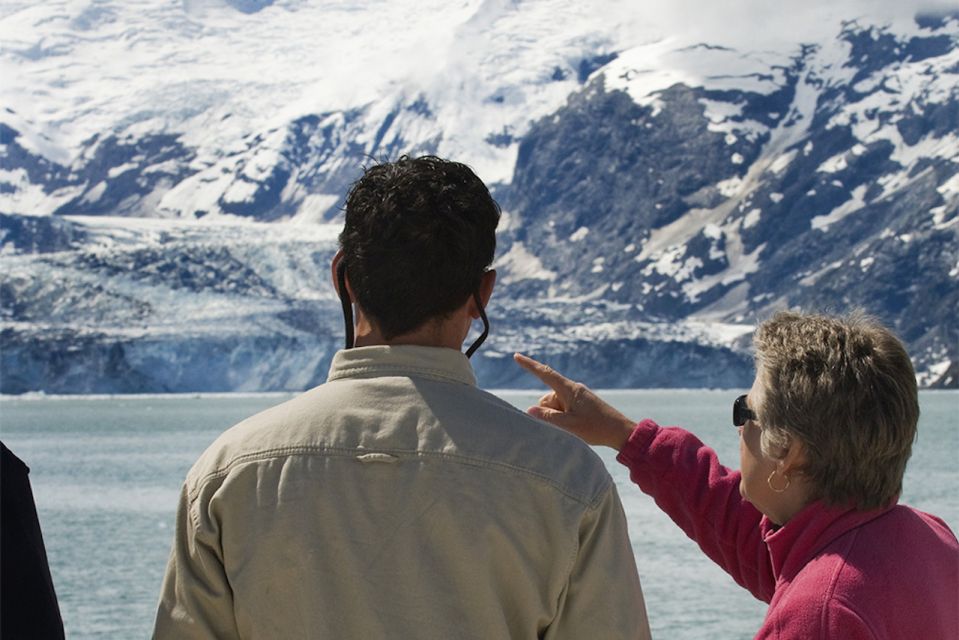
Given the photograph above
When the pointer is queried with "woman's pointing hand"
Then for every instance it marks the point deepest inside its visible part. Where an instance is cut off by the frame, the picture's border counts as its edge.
(573, 407)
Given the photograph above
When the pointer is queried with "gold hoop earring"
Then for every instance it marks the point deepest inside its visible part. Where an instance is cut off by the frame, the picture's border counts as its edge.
(769, 481)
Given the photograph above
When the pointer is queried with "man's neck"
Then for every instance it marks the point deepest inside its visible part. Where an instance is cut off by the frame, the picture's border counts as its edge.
(448, 333)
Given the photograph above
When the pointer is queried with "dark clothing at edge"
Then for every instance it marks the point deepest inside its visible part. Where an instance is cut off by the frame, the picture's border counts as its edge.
(28, 602)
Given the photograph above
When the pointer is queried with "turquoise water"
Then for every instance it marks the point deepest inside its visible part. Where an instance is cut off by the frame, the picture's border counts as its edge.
(106, 474)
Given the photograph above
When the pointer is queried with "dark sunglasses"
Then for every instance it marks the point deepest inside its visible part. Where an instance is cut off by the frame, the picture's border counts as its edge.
(742, 413)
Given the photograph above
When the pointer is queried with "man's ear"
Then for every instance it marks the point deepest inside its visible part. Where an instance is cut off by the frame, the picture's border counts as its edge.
(334, 266)
(334, 269)
(487, 283)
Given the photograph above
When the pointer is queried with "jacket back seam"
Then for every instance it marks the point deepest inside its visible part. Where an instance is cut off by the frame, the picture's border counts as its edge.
(344, 452)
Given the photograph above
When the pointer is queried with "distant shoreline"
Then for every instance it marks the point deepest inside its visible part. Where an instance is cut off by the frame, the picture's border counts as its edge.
(32, 396)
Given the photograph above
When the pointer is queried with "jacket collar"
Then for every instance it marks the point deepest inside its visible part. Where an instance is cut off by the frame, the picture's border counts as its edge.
(794, 544)
(437, 363)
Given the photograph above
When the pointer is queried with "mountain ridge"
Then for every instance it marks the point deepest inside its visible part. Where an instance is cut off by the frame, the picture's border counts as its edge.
(679, 193)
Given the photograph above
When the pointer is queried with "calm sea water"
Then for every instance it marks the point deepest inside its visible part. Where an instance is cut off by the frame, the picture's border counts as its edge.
(106, 474)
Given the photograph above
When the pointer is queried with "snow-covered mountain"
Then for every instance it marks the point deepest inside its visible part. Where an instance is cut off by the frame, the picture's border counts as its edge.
(172, 176)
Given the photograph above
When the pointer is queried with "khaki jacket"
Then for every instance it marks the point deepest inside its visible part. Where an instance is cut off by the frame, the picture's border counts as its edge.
(399, 501)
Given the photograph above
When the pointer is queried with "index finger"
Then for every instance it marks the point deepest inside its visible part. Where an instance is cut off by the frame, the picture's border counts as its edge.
(553, 379)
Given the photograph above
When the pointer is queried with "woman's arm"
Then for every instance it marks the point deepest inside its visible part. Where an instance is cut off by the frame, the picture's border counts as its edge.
(681, 474)
(702, 497)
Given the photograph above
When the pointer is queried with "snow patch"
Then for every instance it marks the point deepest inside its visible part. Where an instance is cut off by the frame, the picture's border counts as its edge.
(645, 71)
(740, 266)
(782, 162)
(95, 193)
(240, 191)
(730, 187)
(932, 373)
(313, 209)
(671, 263)
(519, 264)
(950, 187)
(813, 278)
(119, 170)
(834, 164)
(712, 231)
(855, 203)
(726, 118)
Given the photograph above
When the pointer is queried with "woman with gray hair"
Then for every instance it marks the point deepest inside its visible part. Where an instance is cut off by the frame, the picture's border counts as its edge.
(810, 523)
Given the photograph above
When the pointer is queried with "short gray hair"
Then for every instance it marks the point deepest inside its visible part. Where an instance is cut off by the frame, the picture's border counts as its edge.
(844, 387)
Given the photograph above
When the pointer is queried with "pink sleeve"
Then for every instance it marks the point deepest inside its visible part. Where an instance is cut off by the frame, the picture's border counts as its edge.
(687, 482)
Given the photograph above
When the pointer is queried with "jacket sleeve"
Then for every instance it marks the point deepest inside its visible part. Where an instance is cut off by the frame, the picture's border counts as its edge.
(702, 496)
(603, 597)
(195, 600)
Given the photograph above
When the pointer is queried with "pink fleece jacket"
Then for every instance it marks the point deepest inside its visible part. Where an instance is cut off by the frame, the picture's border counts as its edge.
(828, 572)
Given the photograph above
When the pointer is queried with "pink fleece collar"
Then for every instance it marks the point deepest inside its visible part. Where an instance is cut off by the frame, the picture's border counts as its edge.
(794, 544)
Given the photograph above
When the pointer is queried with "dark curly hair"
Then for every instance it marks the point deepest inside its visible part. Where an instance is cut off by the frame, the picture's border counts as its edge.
(419, 234)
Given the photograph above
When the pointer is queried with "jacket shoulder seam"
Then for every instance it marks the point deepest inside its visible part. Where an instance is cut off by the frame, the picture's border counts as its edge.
(278, 452)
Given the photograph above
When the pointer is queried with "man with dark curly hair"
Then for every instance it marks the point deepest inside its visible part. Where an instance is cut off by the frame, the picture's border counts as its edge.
(398, 500)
